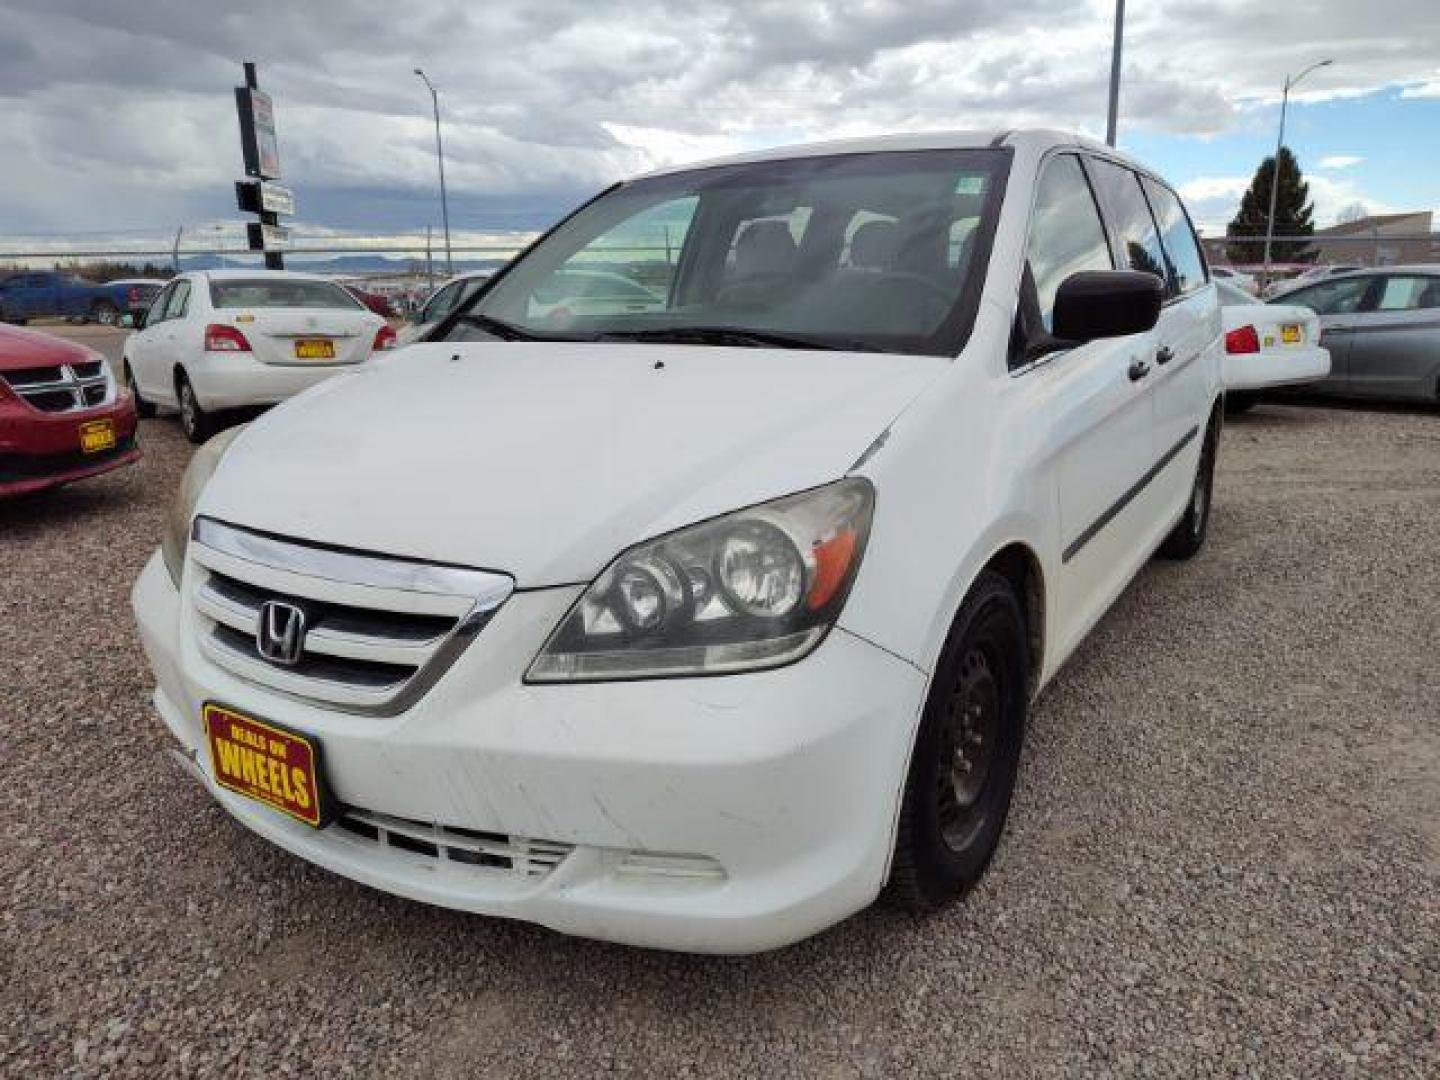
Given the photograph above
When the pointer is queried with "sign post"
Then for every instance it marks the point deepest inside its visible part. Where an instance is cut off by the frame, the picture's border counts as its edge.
(257, 195)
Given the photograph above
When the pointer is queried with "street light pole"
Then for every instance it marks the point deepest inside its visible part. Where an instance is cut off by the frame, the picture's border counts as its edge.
(1275, 170)
(440, 157)
(1110, 122)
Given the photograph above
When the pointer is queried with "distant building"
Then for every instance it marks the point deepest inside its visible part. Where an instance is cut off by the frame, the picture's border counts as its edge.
(1380, 240)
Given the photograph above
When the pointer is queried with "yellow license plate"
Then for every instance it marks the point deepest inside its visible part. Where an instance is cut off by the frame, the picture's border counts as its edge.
(266, 763)
(1290, 334)
(97, 435)
(314, 349)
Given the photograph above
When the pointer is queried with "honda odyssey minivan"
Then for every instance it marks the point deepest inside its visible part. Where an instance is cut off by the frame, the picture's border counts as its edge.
(697, 623)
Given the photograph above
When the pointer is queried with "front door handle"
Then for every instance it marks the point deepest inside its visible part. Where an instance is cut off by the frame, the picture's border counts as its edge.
(1138, 370)
(1164, 354)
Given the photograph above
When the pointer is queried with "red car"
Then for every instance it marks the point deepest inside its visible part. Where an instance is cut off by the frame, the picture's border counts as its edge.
(374, 301)
(63, 417)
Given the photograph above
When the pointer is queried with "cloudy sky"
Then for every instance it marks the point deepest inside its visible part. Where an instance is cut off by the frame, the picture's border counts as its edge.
(118, 118)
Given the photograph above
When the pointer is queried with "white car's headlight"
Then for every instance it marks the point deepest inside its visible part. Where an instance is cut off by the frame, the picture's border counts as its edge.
(754, 589)
(197, 474)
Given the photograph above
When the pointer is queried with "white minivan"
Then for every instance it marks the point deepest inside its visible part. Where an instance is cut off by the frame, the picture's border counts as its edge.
(698, 625)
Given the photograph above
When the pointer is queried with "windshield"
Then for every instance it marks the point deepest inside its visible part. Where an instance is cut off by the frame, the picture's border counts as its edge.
(881, 251)
(279, 293)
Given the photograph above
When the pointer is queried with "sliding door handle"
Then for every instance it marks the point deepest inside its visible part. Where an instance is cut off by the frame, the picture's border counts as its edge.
(1164, 354)
(1138, 370)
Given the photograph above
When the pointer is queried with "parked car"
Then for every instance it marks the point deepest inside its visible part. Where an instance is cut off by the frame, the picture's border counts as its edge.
(692, 627)
(374, 301)
(443, 301)
(1267, 345)
(222, 340)
(54, 294)
(62, 416)
(1242, 281)
(1382, 328)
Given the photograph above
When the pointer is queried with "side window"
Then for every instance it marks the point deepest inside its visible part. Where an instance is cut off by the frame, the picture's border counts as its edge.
(1130, 220)
(1177, 236)
(1332, 297)
(156, 312)
(441, 303)
(1409, 293)
(179, 301)
(1066, 235)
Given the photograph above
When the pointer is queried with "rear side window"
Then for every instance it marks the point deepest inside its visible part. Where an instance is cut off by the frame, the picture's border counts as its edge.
(279, 293)
(1130, 219)
(1331, 297)
(1409, 293)
(1187, 265)
(179, 301)
(1066, 234)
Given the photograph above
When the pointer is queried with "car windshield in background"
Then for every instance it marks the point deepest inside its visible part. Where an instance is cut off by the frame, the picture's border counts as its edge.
(856, 251)
(279, 293)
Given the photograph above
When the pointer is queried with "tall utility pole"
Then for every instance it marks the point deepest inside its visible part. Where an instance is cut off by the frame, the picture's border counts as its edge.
(1115, 50)
(1275, 170)
(440, 156)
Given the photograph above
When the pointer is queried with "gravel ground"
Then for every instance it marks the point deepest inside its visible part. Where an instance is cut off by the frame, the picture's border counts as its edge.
(1224, 857)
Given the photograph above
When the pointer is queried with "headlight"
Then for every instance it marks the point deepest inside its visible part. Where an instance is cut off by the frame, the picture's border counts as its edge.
(197, 474)
(754, 589)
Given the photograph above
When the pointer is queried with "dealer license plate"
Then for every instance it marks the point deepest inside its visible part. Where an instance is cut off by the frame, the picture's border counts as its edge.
(97, 435)
(314, 349)
(1290, 334)
(263, 762)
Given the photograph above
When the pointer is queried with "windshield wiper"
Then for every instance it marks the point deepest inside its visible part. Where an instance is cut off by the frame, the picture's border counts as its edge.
(730, 335)
(502, 330)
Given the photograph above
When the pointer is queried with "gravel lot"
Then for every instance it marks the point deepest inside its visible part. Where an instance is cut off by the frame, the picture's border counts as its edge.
(1224, 858)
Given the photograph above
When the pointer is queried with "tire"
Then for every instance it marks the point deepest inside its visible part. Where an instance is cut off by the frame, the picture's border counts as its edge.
(1188, 536)
(957, 797)
(1238, 403)
(143, 409)
(197, 424)
(105, 313)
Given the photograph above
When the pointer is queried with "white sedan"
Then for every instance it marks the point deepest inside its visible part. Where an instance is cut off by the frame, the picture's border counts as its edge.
(230, 339)
(1241, 280)
(1267, 345)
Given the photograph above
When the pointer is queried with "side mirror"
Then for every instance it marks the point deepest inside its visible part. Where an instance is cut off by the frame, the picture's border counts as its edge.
(1106, 304)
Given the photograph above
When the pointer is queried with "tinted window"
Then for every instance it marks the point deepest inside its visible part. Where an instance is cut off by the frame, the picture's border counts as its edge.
(1066, 235)
(1130, 218)
(1409, 293)
(156, 312)
(441, 303)
(279, 293)
(1187, 265)
(1330, 297)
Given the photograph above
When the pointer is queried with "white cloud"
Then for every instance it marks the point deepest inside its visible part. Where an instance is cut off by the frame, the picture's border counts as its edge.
(1340, 161)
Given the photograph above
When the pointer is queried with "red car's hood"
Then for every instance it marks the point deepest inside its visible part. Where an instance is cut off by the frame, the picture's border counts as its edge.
(21, 348)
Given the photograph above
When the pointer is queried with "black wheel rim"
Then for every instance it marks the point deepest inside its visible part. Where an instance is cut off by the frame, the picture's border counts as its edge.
(968, 747)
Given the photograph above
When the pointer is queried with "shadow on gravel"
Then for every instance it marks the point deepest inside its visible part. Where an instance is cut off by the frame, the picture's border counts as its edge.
(43, 509)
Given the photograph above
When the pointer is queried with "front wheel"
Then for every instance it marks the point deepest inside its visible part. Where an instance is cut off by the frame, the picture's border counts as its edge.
(197, 424)
(1188, 536)
(967, 752)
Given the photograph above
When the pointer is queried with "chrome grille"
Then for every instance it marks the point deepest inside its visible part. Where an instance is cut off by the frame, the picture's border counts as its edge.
(378, 631)
(67, 388)
(518, 855)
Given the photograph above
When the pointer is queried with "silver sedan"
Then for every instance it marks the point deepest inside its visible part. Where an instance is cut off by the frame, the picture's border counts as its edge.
(1382, 328)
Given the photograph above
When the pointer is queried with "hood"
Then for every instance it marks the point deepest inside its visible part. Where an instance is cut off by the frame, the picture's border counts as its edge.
(545, 460)
(21, 348)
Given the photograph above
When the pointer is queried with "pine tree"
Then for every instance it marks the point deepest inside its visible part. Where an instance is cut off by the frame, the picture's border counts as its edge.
(1293, 215)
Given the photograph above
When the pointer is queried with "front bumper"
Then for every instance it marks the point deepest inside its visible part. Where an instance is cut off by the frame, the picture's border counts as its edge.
(787, 782)
(39, 450)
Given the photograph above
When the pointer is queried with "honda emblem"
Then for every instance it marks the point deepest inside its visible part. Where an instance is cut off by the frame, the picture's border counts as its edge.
(280, 635)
